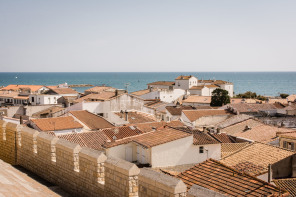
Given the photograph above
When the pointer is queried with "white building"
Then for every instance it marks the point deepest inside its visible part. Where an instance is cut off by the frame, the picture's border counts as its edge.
(165, 95)
(185, 82)
(164, 147)
(194, 86)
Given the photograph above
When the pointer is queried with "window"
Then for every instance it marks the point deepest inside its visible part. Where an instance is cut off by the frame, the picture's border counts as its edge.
(285, 144)
(290, 145)
(201, 149)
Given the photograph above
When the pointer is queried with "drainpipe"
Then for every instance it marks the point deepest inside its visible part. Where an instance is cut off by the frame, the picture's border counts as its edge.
(269, 173)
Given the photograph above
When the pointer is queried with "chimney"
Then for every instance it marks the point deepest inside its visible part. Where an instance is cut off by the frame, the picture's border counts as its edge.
(126, 115)
(116, 92)
(21, 120)
(218, 131)
(204, 129)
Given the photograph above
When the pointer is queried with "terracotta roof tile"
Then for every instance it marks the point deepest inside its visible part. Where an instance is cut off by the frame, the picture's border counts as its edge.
(292, 98)
(99, 89)
(163, 83)
(147, 127)
(177, 110)
(92, 139)
(141, 92)
(137, 117)
(229, 148)
(96, 97)
(64, 91)
(254, 130)
(198, 99)
(287, 184)
(18, 87)
(55, 124)
(50, 110)
(181, 77)
(222, 137)
(193, 115)
(196, 87)
(91, 120)
(121, 132)
(159, 137)
(258, 154)
(202, 138)
(218, 177)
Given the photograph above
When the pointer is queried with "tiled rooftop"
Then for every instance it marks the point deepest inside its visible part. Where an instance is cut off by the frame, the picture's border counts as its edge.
(147, 127)
(154, 138)
(64, 91)
(292, 98)
(50, 110)
(91, 120)
(198, 99)
(121, 132)
(254, 130)
(91, 139)
(196, 87)
(218, 177)
(287, 184)
(96, 97)
(193, 115)
(18, 87)
(202, 138)
(141, 92)
(164, 83)
(233, 120)
(182, 77)
(258, 154)
(98, 89)
(137, 117)
(177, 110)
(55, 124)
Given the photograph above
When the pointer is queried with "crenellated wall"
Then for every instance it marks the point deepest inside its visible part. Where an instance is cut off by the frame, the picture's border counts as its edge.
(81, 171)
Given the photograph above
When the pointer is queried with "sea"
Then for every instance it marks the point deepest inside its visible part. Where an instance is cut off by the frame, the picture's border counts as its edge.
(263, 83)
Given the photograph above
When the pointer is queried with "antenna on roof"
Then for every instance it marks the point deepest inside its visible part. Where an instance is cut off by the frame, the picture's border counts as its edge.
(126, 86)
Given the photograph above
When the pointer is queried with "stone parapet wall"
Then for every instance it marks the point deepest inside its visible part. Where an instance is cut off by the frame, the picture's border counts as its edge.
(152, 183)
(81, 171)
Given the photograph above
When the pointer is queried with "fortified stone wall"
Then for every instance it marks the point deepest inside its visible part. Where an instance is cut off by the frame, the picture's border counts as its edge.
(81, 171)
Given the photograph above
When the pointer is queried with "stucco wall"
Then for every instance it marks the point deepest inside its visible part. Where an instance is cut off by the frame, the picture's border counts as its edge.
(209, 120)
(174, 153)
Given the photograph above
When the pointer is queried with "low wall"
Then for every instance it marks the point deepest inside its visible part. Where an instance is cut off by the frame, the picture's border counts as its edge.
(81, 171)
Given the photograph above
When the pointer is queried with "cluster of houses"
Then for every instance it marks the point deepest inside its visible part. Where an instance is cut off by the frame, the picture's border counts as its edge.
(170, 127)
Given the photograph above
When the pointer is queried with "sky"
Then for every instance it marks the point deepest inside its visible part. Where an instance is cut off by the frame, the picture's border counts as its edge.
(147, 36)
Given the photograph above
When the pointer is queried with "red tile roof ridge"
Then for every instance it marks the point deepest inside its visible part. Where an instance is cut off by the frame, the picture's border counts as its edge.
(232, 169)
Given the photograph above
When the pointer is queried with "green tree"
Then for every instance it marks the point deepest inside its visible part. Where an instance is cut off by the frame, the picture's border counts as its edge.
(220, 97)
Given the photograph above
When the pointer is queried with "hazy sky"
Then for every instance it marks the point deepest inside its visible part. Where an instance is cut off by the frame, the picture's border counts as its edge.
(151, 35)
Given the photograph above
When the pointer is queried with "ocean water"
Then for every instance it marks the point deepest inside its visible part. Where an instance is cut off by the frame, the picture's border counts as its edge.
(264, 83)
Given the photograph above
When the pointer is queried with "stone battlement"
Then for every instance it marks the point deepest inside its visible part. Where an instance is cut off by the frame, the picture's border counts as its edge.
(79, 170)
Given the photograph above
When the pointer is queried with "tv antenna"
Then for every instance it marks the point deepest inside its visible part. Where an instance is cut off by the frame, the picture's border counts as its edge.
(126, 86)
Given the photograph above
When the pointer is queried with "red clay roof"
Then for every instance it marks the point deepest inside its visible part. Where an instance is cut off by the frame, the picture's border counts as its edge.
(177, 110)
(55, 124)
(213, 175)
(159, 137)
(121, 132)
(196, 87)
(163, 83)
(202, 138)
(137, 117)
(91, 120)
(147, 127)
(96, 97)
(198, 99)
(193, 115)
(287, 184)
(181, 77)
(18, 87)
(141, 92)
(64, 91)
(92, 139)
